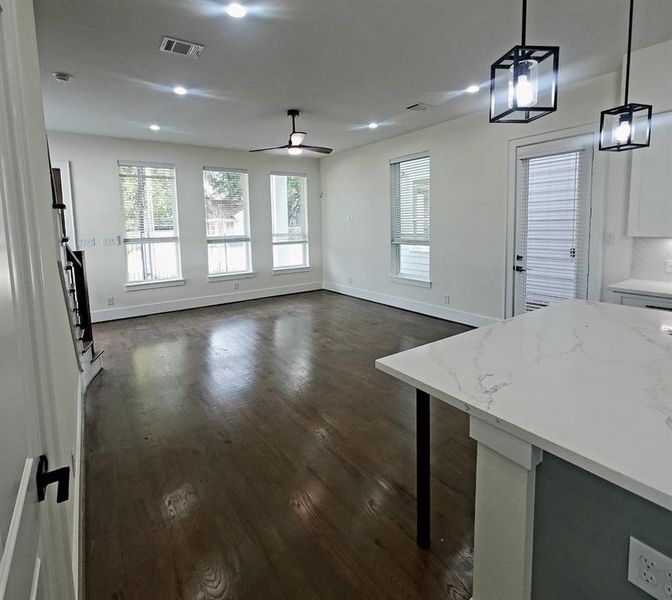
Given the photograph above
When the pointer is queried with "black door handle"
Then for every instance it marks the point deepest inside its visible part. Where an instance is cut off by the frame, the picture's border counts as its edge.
(519, 269)
(44, 477)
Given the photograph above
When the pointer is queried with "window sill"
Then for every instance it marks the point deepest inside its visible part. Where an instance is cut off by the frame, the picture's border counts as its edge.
(409, 281)
(148, 285)
(229, 276)
(283, 270)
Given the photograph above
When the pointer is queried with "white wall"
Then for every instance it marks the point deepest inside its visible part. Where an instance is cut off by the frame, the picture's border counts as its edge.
(469, 188)
(98, 214)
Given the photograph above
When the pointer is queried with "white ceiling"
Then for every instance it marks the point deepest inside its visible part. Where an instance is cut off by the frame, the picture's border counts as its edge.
(344, 63)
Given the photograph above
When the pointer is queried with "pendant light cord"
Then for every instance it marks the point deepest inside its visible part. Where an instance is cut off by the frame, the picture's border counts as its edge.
(629, 55)
(524, 34)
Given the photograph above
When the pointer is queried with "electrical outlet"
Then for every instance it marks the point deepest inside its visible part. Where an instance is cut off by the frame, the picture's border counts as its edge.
(668, 265)
(110, 300)
(650, 570)
(446, 299)
(349, 218)
(236, 285)
(608, 238)
(349, 280)
(86, 242)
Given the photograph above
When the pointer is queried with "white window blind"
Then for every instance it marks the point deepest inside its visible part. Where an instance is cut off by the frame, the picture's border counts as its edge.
(553, 229)
(410, 202)
(290, 221)
(227, 220)
(150, 221)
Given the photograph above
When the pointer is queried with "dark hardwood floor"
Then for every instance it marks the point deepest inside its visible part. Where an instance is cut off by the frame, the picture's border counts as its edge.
(252, 451)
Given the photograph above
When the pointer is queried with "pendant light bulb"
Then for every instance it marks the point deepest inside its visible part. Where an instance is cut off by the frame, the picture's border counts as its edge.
(524, 91)
(524, 87)
(623, 131)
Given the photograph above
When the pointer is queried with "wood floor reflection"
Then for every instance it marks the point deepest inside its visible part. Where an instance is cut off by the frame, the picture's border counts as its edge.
(252, 451)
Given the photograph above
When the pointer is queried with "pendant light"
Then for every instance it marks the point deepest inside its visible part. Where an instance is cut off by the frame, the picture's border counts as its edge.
(626, 127)
(524, 82)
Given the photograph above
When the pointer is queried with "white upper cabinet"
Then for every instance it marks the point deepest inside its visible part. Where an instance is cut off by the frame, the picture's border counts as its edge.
(650, 213)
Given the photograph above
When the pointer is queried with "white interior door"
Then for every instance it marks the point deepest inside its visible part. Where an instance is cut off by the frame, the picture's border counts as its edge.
(33, 563)
(552, 229)
(20, 566)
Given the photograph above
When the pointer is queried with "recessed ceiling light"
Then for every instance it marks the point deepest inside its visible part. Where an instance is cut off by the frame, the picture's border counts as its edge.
(154, 127)
(373, 125)
(472, 89)
(180, 91)
(235, 10)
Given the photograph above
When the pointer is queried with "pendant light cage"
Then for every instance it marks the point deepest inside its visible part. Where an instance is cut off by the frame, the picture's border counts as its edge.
(524, 84)
(626, 127)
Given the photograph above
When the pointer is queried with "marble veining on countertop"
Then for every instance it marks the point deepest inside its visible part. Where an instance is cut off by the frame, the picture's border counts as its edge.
(590, 382)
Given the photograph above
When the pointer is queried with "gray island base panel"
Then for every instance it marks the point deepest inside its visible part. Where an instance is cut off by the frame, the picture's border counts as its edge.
(588, 382)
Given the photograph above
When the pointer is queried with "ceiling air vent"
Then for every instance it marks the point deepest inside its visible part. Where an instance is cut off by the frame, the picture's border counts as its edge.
(418, 106)
(175, 46)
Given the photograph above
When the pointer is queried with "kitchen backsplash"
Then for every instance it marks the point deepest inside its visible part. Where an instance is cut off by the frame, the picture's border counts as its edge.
(649, 256)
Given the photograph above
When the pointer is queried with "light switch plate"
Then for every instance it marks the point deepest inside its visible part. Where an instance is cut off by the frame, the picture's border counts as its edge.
(650, 570)
(111, 241)
(86, 242)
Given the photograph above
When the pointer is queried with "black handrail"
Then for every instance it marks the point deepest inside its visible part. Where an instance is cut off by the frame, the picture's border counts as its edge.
(76, 259)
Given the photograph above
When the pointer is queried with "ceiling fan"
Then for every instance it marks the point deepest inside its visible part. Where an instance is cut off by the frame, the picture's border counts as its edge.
(295, 145)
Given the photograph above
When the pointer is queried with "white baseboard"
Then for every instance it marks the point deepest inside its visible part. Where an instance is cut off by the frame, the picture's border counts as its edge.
(90, 370)
(433, 310)
(77, 494)
(139, 310)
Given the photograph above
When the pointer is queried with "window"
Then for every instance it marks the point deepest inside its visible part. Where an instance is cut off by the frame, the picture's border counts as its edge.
(290, 221)
(410, 218)
(227, 221)
(150, 222)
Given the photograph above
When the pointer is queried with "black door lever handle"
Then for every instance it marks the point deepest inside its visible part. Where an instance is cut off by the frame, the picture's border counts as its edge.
(519, 269)
(44, 477)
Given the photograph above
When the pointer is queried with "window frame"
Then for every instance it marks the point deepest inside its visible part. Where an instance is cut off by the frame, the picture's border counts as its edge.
(149, 283)
(224, 239)
(396, 275)
(306, 266)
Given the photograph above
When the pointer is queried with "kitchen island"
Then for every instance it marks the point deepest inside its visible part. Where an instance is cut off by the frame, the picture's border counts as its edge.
(588, 382)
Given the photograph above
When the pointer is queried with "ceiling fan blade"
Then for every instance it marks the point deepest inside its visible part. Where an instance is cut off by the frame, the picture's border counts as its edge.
(320, 149)
(273, 148)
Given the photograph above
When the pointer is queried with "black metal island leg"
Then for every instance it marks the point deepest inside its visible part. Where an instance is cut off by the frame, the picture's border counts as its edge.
(422, 441)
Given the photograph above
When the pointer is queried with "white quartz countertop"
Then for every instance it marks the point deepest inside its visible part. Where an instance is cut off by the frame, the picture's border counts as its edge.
(646, 287)
(586, 381)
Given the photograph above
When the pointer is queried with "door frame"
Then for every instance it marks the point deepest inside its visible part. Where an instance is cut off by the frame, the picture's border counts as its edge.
(32, 239)
(597, 208)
